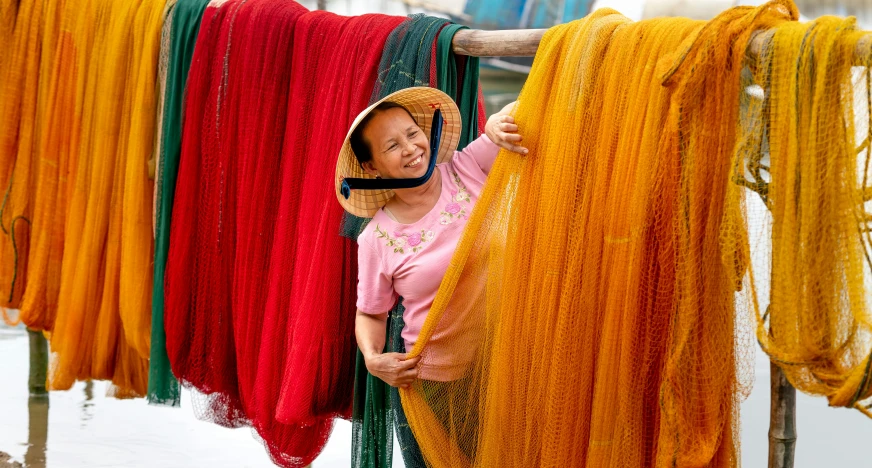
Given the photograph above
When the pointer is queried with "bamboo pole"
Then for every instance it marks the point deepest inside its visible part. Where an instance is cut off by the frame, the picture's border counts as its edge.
(782, 420)
(38, 363)
(505, 43)
(525, 42)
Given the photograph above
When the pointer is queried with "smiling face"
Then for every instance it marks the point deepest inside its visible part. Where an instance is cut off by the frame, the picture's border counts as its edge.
(399, 148)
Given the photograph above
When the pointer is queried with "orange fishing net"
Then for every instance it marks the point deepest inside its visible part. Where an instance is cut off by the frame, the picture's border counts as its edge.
(20, 84)
(805, 149)
(103, 324)
(595, 282)
(56, 148)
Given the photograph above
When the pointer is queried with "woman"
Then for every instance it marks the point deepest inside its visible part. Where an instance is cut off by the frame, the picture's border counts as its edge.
(405, 250)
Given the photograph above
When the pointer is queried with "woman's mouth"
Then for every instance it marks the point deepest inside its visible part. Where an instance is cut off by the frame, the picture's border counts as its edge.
(415, 161)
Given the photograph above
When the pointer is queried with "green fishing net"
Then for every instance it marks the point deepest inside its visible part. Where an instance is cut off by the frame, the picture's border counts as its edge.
(163, 388)
(417, 53)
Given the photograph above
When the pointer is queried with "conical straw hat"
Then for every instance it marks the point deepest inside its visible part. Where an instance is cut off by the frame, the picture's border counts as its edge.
(421, 102)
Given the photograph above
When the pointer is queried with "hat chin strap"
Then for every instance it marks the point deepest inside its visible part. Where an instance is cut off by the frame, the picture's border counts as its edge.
(359, 183)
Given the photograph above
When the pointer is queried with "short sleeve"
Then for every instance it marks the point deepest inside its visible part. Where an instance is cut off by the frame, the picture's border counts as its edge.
(482, 153)
(375, 289)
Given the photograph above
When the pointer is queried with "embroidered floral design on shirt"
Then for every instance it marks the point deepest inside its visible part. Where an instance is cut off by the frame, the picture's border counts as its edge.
(454, 210)
(400, 241)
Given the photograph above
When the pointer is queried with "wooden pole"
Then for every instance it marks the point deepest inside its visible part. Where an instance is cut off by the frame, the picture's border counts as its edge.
(782, 420)
(505, 43)
(38, 363)
(525, 42)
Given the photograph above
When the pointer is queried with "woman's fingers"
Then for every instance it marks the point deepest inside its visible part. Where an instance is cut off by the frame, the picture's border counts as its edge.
(409, 363)
(507, 127)
(510, 136)
(406, 377)
(516, 148)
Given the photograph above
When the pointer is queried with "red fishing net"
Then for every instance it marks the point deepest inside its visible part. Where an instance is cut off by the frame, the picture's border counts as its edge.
(260, 287)
(318, 377)
(200, 342)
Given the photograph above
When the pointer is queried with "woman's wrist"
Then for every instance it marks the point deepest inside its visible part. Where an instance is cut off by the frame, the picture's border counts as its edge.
(369, 355)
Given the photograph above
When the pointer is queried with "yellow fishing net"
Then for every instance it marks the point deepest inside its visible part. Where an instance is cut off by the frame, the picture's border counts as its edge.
(595, 283)
(805, 149)
(102, 327)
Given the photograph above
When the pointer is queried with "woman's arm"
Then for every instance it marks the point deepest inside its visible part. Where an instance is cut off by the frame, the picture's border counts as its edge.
(393, 368)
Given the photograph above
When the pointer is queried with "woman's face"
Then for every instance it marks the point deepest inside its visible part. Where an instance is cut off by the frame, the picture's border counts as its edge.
(399, 148)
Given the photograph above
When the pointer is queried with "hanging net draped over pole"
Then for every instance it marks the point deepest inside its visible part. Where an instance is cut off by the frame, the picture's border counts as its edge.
(163, 388)
(102, 328)
(804, 148)
(28, 56)
(54, 149)
(417, 53)
(596, 279)
(259, 287)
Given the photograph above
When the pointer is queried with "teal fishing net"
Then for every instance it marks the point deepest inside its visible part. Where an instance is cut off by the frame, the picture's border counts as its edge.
(417, 53)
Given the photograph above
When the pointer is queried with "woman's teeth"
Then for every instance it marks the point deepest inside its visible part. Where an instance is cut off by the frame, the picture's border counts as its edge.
(415, 162)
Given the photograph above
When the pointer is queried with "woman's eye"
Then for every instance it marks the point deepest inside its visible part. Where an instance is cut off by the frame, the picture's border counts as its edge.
(413, 134)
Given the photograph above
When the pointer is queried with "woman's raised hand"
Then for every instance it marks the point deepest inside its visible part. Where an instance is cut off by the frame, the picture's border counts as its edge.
(395, 369)
(502, 130)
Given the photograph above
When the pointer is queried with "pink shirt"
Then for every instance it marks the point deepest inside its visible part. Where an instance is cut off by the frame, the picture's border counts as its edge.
(410, 260)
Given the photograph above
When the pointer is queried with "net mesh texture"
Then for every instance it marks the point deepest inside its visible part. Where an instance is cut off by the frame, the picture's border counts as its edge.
(804, 149)
(259, 287)
(596, 280)
(417, 53)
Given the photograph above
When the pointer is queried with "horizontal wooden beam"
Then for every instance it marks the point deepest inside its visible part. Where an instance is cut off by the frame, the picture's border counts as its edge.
(503, 43)
(525, 42)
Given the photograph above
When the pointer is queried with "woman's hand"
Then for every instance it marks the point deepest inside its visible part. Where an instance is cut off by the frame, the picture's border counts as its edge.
(393, 368)
(501, 129)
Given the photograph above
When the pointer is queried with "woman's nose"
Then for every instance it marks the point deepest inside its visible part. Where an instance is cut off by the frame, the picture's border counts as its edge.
(408, 147)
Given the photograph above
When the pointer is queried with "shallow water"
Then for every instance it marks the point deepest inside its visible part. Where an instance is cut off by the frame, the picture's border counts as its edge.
(83, 428)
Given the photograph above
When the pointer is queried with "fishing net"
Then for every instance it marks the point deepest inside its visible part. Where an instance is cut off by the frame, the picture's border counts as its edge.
(162, 70)
(805, 149)
(102, 328)
(50, 148)
(259, 310)
(136, 234)
(8, 16)
(197, 320)
(19, 95)
(163, 388)
(405, 62)
(617, 236)
(316, 291)
(418, 53)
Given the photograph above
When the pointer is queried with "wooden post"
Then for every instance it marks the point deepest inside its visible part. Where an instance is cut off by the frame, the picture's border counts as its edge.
(38, 363)
(782, 420)
(506, 43)
(525, 42)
